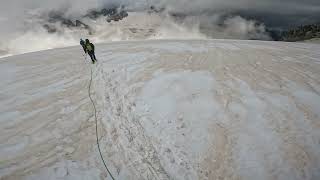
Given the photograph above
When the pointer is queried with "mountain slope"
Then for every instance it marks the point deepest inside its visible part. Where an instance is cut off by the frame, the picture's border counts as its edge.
(166, 109)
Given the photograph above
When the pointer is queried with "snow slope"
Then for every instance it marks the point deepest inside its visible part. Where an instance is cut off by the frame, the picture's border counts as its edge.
(207, 109)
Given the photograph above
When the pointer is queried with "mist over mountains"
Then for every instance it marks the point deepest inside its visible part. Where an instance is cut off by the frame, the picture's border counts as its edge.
(48, 24)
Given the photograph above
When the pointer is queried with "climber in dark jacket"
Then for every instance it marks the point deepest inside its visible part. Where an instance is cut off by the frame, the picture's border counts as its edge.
(88, 47)
(83, 44)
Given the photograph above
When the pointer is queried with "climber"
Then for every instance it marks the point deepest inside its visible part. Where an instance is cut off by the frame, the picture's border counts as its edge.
(82, 43)
(88, 47)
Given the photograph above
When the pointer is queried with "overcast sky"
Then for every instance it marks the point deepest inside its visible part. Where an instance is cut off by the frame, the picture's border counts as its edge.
(274, 13)
(221, 18)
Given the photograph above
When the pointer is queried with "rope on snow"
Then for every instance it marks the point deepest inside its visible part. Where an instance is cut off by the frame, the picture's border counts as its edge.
(96, 120)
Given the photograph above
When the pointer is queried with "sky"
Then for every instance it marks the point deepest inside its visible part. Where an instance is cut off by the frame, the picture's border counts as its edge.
(242, 16)
(272, 12)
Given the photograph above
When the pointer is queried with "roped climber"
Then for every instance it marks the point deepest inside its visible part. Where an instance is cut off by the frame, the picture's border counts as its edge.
(88, 47)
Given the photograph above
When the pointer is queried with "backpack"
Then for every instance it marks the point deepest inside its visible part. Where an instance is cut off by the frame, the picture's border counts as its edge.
(89, 47)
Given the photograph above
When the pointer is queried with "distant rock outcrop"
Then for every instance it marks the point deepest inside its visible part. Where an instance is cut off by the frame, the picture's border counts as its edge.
(112, 14)
(95, 14)
(56, 20)
(302, 33)
(117, 16)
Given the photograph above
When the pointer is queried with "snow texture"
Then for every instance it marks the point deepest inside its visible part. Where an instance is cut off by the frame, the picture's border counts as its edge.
(206, 109)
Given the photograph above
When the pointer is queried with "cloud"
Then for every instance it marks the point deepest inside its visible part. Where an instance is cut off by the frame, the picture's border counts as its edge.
(282, 13)
(284, 6)
(272, 12)
(241, 19)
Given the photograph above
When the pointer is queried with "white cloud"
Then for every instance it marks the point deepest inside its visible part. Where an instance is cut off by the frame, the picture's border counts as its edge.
(216, 18)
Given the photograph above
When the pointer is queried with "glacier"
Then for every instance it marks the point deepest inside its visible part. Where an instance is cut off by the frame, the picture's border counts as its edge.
(167, 109)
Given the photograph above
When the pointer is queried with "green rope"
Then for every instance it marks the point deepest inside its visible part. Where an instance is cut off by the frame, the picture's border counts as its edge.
(96, 119)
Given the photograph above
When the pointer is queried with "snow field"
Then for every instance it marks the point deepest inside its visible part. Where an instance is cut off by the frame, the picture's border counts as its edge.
(216, 109)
